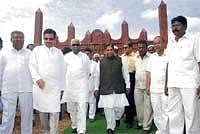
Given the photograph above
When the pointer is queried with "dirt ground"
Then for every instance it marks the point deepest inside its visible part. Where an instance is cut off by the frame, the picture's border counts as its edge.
(65, 122)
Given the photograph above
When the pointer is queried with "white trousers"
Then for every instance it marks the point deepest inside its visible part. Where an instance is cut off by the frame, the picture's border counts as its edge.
(49, 123)
(92, 105)
(113, 114)
(9, 110)
(183, 105)
(159, 103)
(143, 108)
(78, 115)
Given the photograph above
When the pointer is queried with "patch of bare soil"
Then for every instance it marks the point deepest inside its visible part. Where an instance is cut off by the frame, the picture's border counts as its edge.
(65, 122)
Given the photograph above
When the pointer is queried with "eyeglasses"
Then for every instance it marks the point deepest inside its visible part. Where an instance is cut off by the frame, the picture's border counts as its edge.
(48, 38)
(75, 44)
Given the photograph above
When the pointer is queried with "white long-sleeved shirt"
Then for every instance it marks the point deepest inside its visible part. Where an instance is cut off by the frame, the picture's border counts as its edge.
(77, 77)
(183, 57)
(14, 71)
(48, 64)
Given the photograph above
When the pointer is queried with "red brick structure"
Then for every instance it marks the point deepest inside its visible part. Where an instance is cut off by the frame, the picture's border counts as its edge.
(163, 22)
(97, 38)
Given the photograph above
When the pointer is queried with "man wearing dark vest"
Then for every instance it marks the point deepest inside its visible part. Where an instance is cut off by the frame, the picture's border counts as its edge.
(112, 90)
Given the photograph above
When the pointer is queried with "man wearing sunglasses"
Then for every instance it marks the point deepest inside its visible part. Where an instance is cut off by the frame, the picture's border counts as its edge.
(76, 93)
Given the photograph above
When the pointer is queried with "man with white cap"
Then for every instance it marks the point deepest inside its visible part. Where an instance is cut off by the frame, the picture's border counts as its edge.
(76, 93)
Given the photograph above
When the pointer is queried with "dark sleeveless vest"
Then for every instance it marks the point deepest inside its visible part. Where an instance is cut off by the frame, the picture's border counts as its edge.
(111, 77)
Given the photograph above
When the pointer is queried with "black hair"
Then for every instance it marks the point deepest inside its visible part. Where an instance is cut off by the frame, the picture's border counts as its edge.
(66, 50)
(87, 49)
(16, 31)
(129, 43)
(109, 45)
(50, 31)
(142, 42)
(180, 19)
(1, 41)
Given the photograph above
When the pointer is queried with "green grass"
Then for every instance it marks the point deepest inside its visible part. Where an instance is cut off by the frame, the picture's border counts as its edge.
(99, 127)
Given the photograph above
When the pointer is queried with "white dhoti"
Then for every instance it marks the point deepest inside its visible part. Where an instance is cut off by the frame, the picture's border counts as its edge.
(159, 103)
(113, 105)
(77, 112)
(92, 105)
(183, 107)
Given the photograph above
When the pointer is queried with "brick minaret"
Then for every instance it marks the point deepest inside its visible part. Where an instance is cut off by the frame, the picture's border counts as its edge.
(163, 22)
(38, 28)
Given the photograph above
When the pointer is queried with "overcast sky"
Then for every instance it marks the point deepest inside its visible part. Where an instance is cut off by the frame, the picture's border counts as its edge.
(92, 14)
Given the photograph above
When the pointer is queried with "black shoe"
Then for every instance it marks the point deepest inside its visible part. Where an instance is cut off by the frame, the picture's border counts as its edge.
(91, 120)
(138, 127)
(146, 132)
(129, 125)
(74, 131)
(110, 131)
(117, 123)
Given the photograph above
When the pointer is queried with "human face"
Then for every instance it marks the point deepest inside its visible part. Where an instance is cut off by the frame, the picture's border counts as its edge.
(17, 40)
(142, 48)
(75, 48)
(158, 44)
(178, 29)
(49, 40)
(127, 49)
(89, 54)
(109, 51)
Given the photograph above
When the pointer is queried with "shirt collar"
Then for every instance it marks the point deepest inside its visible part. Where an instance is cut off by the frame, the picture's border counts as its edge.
(185, 36)
(18, 51)
(145, 56)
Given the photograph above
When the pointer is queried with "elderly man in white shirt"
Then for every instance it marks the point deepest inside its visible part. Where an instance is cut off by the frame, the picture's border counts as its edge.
(76, 93)
(47, 70)
(155, 85)
(183, 53)
(142, 100)
(16, 83)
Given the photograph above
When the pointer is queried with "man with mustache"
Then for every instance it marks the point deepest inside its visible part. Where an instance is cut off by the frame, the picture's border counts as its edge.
(47, 69)
(183, 55)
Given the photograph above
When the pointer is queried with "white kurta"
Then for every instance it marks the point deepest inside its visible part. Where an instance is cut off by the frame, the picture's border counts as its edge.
(16, 83)
(47, 64)
(77, 77)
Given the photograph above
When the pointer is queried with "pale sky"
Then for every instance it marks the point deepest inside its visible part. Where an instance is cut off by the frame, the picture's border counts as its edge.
(92, 14)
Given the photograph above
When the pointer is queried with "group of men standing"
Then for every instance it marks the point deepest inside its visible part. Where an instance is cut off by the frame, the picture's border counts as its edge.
(163, 86)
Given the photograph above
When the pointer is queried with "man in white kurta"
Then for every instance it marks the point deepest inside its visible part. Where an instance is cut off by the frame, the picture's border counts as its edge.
(156, 78)
(183, 53)
(47, 70)
(16, 83)
(93, 84)
(76, 93)
(142, 100)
